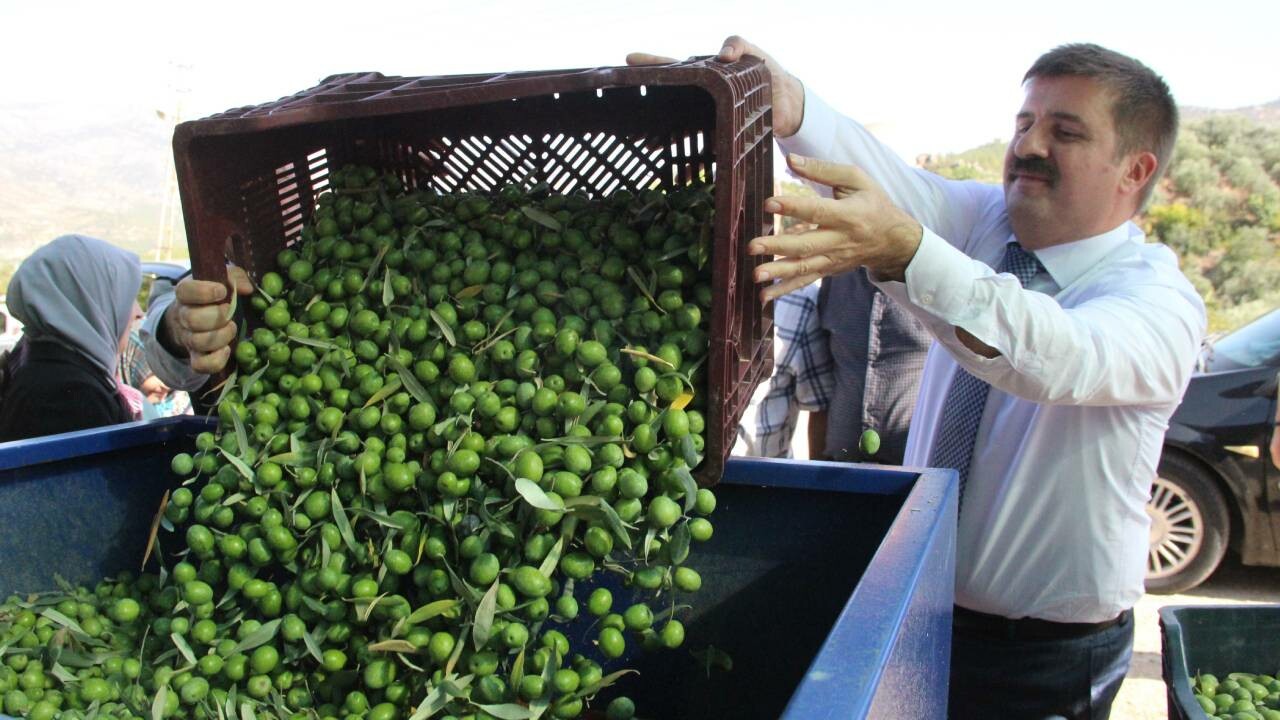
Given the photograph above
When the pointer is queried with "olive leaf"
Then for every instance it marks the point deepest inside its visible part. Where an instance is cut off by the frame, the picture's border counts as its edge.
(313, 647)
(635, 277)
(647, 356)
(517, 670)
(248, 382)
(263, 635)
(590, 413)
(713, 657)
(552, 559)
(688, 451)
(540, 705)
(340, 520)
(457, 653)
(223, 388)
(541, 217)
(242, 437)
(408, 380)
(483, 624)
(384, 392)
(373, 266)
(444, 327)
(381, 518)
(239, 464)
(155, 527)
(66, 622)
(595, 505)
(158, 703)
(320, 344)
(387, 293)
(62, 674)
(688, 485)
(437, 697)
(183, 648)
(398, 646)
(430, 610)
(535, 496)
(682, 400)
(508, 711)
(678, 546)
(604, 682)
(470, 291)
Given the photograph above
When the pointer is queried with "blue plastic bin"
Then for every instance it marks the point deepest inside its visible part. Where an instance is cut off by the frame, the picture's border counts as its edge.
(829, 585)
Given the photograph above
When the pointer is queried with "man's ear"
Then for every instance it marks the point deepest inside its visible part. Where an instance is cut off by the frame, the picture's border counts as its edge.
(1140, 169)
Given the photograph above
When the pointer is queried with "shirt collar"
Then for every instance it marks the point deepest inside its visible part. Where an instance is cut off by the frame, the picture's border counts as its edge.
(1065, 263)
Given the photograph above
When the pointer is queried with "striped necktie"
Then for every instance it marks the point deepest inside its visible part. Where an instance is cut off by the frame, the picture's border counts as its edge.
(967, 397)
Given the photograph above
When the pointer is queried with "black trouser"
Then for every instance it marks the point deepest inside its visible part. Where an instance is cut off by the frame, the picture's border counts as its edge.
(1033, 669)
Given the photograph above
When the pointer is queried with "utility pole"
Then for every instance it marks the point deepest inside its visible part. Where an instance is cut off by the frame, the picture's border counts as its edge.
(170, 209)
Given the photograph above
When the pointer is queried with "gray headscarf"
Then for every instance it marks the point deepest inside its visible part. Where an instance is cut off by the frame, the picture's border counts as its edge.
(77, 291)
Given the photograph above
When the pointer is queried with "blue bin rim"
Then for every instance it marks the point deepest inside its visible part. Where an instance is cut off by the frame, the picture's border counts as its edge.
(50, 448)
(872, 619)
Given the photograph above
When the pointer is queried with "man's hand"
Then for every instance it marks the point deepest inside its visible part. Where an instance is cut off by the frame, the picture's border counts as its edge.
(200, 321)
(788, 91)
(857, 226)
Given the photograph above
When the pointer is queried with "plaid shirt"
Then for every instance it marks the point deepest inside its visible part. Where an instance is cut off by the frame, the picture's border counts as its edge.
(803, 377)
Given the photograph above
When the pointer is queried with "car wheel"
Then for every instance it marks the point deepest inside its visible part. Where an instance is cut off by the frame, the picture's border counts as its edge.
(1189, 526)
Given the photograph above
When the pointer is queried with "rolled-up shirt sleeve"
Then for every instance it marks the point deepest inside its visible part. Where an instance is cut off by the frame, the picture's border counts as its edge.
(174, 371)
(1131, 345)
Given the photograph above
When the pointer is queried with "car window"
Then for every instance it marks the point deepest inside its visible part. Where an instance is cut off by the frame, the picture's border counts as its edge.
(1254, 345)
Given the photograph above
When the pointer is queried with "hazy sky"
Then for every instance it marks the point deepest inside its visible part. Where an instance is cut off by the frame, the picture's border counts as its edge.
(928, 75)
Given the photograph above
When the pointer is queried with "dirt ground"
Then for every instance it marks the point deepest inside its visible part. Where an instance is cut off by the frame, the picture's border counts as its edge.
(1142, 697)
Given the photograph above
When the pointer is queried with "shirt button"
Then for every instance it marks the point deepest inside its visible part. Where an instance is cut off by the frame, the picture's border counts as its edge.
(927, 299)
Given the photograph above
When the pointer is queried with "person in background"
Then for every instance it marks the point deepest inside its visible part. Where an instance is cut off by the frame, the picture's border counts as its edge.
(76, 297)
(877, 350)
(1063, 342)
(161, 400)
(802, 379)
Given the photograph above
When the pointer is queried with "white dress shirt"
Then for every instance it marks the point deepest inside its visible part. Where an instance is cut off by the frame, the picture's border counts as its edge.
(1095, 355)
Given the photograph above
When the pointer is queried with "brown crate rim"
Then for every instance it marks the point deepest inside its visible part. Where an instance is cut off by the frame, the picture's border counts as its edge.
(364, 94)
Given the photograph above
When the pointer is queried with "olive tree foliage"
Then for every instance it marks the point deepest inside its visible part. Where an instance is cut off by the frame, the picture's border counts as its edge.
(1218, 207)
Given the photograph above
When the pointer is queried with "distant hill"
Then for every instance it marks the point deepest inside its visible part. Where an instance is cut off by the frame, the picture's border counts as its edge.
(1267, 114)
(83, 170)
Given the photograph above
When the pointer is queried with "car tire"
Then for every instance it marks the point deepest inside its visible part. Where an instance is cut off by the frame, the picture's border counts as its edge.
(1189, 526)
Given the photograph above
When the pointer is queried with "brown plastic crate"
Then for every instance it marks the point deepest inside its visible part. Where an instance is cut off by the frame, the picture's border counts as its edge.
(249, 177)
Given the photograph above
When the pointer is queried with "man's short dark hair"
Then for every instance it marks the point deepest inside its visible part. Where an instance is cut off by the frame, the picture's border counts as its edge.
(1143, 110)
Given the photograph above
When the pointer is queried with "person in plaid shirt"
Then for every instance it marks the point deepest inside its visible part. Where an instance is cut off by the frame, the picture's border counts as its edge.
(803, 378)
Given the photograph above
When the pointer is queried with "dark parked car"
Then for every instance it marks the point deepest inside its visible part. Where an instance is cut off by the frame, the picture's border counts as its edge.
(1216, 487)
(158, 274)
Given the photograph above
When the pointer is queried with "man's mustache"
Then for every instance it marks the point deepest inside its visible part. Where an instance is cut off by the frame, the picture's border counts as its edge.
(1035, 166)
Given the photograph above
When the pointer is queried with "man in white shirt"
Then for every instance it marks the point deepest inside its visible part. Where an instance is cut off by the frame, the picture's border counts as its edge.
(1051, 381)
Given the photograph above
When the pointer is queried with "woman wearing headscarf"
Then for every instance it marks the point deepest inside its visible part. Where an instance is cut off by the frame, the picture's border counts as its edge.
(76, 297)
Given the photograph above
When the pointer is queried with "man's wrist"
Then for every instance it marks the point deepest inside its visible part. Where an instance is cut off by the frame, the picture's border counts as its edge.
(908, 235)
